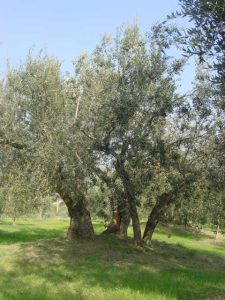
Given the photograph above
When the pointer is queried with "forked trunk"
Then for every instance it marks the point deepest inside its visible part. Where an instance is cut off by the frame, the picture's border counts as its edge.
(154, 216)
(132, 202)
(135, 222)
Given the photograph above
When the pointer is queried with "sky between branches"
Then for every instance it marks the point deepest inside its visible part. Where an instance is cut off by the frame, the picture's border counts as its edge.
(66, 28)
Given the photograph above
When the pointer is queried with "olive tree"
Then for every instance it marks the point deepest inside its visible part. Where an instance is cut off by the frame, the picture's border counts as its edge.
(128, 91)
(38, 136)
(205, 38)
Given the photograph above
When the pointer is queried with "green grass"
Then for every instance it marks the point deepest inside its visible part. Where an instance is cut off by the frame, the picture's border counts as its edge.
(36, 262)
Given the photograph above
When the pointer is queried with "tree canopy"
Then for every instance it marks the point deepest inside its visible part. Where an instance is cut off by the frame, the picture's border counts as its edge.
(117, 133)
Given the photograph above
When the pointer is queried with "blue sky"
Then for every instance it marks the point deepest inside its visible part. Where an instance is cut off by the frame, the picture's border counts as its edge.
(65, 28)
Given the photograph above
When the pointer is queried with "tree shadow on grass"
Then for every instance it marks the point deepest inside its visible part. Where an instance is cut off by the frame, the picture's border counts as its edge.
(112, 264)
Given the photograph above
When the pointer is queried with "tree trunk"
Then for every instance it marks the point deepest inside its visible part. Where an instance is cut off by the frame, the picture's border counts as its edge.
(123, 207)
(80, 222)
(132, 201)
(154, 216)
(114, 225)
(135, 222)
(80, 219)
(120, 222)
(124, 224)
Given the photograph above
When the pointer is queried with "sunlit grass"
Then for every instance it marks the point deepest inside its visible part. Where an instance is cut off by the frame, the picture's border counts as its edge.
(197, 242)
(31, 230)
(38, 263)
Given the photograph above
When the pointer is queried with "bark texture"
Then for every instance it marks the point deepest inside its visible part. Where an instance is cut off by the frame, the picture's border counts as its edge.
(124, 224)
(114, 225)
(80, 222)
(80, 219)
(132, 201)
(119, 223)
(153, 219)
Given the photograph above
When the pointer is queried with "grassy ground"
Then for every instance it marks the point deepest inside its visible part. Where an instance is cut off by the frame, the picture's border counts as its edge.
(36, 262)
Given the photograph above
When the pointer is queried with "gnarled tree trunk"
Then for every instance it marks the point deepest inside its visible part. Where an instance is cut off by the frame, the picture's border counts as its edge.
(119, 223)
(114, 225)
(80, 219)
(153, 219)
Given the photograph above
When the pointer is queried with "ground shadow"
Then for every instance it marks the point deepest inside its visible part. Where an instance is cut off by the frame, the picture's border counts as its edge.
(111, 263)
